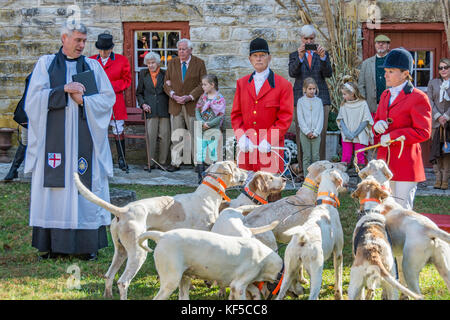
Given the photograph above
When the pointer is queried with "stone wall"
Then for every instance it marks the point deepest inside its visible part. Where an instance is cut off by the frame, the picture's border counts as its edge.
(220, 30)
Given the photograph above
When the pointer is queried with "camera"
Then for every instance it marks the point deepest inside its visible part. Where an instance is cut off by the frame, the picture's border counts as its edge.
(311, 46)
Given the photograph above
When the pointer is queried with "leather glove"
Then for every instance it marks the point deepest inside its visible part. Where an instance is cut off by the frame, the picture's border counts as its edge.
(384, 140)
(245, 144)
(264, 146)
(380, 127)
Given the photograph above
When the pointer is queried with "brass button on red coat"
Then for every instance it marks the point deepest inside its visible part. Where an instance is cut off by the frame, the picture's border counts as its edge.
(254, 112)
(254, 122)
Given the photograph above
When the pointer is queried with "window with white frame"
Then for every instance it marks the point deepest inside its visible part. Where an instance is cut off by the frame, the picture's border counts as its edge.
(163, 42)
(422, 68)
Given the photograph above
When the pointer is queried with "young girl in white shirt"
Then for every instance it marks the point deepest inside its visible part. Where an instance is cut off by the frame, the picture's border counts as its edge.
(310, 120)
(355, 122)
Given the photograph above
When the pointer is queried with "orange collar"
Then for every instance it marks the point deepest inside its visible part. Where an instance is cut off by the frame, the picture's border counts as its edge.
(369, 200)
(310, 184)
(336, 202)
(254, 196)
(217, 189)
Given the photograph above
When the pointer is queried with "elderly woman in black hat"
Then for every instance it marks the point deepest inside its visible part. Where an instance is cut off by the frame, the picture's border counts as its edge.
(403, 111)
(118, 70)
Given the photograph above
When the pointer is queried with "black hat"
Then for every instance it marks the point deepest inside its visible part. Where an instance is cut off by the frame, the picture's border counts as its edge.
(259, 45)
(399, 58)
(104, 42)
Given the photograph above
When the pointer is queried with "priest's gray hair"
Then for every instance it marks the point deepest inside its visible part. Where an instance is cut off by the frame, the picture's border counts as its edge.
(152, 56)
(187, 41)
(68, 28)
(308, 31)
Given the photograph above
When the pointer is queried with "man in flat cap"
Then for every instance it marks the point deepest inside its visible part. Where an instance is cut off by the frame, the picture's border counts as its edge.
(371, 81)
(262, 113)
(118, 70)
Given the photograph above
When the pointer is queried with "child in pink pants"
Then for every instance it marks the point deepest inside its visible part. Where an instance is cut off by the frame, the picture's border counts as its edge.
(355, 122)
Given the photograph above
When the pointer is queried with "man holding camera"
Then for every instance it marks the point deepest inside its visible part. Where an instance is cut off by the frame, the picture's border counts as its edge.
(311, 60)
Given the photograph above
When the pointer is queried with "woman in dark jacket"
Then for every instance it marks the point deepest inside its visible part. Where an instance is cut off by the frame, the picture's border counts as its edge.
(439, 95)
(155, 103)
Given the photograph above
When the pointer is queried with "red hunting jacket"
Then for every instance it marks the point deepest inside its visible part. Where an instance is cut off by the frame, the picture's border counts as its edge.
(411, 117)
(266, 116)
(118, 71)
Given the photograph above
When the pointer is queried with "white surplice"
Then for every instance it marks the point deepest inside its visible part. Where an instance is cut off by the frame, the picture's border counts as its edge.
(64, 208)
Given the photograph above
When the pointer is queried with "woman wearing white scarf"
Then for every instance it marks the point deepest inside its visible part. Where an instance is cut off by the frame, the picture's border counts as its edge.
(439, 96)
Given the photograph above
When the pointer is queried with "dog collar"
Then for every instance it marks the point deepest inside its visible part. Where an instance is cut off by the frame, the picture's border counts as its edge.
(222, 183)
(253, 196)
(217, 189)
(273, 287)
(331, 195)
(311, 185)
(369, 200)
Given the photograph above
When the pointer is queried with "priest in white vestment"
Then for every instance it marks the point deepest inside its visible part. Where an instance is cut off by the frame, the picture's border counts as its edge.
(63, 221)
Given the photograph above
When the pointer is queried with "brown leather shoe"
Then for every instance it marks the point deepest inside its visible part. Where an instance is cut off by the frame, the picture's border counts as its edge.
(444, 185)
(437, 184)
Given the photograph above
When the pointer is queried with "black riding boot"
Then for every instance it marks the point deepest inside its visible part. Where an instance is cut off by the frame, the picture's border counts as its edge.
(120, 144)
(200, 170)
(18, 159)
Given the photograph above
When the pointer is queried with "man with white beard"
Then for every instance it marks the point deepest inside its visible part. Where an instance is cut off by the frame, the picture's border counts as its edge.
(67, 133)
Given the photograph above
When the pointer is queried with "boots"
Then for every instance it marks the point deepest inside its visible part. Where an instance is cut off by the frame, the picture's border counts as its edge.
(200, 170)
(446, 173)
(438, 174)
(18, 158)
(120, 143)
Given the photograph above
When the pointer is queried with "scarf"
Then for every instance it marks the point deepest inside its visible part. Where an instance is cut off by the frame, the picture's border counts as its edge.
(443, 92)
(217, 104)
(54, 170)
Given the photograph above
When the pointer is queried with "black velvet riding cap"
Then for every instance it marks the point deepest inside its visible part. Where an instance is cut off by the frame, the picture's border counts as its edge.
(259, 45)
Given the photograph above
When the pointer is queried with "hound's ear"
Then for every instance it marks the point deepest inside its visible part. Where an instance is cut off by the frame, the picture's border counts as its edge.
(337, 179)
(364, 173)
(380, 193)
(255, 183)
(387, 173)
(357, 192)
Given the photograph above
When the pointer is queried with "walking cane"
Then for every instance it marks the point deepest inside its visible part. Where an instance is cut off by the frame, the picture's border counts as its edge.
(120, 145)
(401, 139)
(146, 142)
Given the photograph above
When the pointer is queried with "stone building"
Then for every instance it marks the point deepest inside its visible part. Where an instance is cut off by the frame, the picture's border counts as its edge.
(219, 29)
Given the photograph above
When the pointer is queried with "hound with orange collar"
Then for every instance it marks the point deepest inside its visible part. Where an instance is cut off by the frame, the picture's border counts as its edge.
(415, 238)
(320, 236)
(197, 210)
(373, 258)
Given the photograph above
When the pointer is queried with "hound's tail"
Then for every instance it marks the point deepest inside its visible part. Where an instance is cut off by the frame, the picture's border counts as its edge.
(89, 195)
(265, 228)
(438, 233)
(154, 235)
(391, 280)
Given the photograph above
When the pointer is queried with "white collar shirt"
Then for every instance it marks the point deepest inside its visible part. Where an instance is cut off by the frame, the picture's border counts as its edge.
(395, 91)
(259, 78)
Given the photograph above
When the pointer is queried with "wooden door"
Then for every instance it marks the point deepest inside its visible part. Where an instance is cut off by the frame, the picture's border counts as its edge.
(427, 44)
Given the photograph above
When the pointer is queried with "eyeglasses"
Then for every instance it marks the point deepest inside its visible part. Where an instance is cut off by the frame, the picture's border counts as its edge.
(443, 68)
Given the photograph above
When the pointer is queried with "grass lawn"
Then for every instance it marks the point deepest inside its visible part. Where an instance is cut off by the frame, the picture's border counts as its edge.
(22, 276)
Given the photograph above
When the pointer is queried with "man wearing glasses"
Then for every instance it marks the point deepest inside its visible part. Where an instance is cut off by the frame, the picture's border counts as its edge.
(311, 60)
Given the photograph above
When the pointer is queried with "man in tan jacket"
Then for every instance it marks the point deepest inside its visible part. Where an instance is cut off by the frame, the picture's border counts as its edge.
(183, 85)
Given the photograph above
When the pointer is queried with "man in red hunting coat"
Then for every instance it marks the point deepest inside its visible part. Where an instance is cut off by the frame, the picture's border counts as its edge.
(262, 113)
(118, 70)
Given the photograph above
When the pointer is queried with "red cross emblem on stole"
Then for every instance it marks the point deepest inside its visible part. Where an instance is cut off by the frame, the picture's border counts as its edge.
(54, 159)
